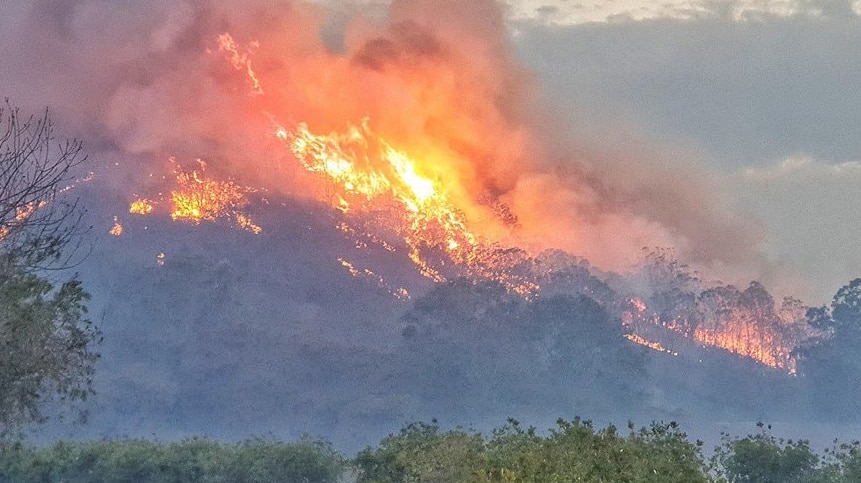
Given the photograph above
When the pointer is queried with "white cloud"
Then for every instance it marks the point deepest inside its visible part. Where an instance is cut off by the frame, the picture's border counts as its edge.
(566, 12)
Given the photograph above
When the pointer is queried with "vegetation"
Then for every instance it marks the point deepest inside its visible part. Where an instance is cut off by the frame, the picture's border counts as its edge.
(45, 338)
(573, 451)
(197, 460)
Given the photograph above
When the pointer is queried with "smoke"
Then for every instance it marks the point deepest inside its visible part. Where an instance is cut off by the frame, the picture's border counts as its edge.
(437, 79)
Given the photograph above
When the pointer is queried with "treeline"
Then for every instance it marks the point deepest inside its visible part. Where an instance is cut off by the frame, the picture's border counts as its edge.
(191, 460)
(573, 451)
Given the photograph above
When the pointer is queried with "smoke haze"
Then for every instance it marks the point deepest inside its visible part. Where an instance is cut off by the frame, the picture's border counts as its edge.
(440, 80)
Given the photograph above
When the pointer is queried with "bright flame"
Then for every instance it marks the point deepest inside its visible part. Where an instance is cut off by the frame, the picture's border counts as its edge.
(371, 172)
(198, 198)
(738, 329)
(141, 206)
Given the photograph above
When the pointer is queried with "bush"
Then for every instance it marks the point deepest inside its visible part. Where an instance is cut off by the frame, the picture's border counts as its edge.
(198, 460)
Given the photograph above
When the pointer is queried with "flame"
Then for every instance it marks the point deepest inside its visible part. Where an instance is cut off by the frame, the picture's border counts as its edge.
(245, 223)
(198, 198)
(141, 206)
(24, 212)
(399, 292)
(369, 172)
(737, 329)
(117, 229)
(240, 60)
(637, 339)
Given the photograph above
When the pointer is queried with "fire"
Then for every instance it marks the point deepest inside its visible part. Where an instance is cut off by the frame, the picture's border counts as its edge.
(198, 198)
(117, 229)
(736, 323)
(245, 223)
(399, 196)
(369, 172)
(240, 60)
(657, 346)
(399, 292)
(24, 212)
(746, 340)
(141, 206)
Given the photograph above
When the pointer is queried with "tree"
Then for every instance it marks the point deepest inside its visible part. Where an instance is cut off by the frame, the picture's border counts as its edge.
(846, 309)
(831, 362)
(763, 458)
(45, 338)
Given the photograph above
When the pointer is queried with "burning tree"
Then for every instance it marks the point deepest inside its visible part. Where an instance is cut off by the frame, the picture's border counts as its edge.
(45, 338)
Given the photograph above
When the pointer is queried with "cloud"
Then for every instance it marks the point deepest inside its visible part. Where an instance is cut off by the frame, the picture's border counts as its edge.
(563, 12)
(728, 97)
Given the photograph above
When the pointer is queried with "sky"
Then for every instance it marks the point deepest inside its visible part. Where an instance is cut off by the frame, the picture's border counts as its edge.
(763, 93)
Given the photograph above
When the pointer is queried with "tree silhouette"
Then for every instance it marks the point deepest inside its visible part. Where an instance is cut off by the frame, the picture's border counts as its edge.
(45, 338)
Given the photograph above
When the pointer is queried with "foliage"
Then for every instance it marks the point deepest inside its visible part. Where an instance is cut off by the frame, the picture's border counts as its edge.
(45, 337)
(45, 346)
(763, 458)
(198, 460)
(573, 451)
(422, 453)
(832, 363)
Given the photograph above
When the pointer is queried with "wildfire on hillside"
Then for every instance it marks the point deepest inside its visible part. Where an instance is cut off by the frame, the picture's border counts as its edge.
(402, 194)
(745, 323)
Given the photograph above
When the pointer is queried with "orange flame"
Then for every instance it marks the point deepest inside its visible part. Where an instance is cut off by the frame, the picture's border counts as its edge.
(240, 60)
(738, 329)
(370, 171)
(141, 206)
(198, 198)
(117, 229)
(657, 346)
